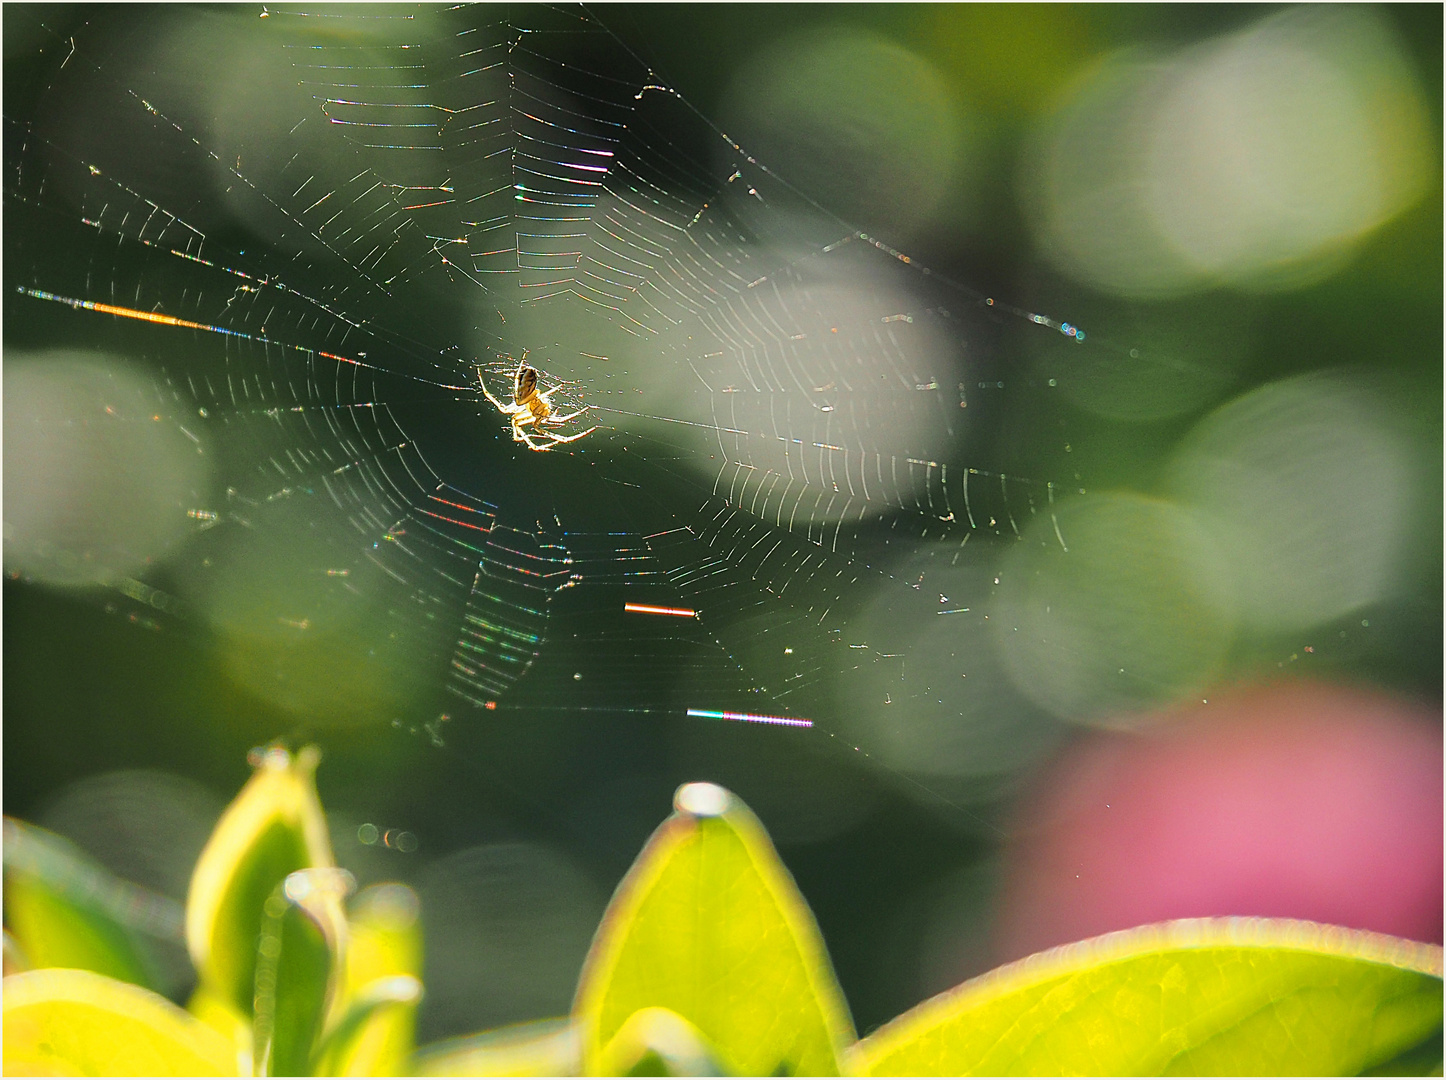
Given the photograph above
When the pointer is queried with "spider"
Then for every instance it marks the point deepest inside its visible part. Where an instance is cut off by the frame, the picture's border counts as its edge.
(533, 406)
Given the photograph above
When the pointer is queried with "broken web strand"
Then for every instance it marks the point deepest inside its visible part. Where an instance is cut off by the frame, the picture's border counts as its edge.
(522, 563)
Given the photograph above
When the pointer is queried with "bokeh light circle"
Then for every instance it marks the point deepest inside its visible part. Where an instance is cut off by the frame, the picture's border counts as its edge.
(926, 695)
(507, 927)
(867, 127)
(1127, 613)
(1258, 160)
(98, 478)
(1307, 489)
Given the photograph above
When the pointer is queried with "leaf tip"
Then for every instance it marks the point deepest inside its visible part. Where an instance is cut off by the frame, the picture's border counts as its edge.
(703, 800)
(276, 757)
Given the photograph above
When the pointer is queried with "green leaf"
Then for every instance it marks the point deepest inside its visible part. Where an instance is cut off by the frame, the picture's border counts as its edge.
(61, 1022)
(345, 1051)
(272, 828)
(375, 1035)
(1195, 996)
(709, 924)
(67, 911)
(659, 1042)
(541, 1048)
(1423, 1059)
(300, 950)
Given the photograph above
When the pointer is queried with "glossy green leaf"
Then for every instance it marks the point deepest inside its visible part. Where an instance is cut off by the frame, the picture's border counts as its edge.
(61, 1022)
(302, 938)
(67, 911)
(1191, 997)
(709, 924)
(541, 1048)
(272, 828)
(375, 1033)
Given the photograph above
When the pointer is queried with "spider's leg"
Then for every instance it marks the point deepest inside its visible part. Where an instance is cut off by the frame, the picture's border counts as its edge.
(567, 438)
(524, 437)
(569, 416)
(482, 383)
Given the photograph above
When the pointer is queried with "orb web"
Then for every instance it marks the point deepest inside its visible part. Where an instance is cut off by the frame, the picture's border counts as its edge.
(322, 248)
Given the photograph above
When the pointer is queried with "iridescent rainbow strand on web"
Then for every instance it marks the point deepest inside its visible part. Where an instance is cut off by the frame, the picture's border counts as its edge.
(752, 718)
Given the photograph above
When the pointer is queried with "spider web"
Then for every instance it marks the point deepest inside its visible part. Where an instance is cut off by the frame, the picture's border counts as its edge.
(320, 229)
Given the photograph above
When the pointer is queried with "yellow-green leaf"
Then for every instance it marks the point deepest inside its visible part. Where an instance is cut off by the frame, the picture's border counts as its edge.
(67, 911)
(659, 1042)
(363, 1041)
(303, 940)
(709, 924)
(221, 1016)
(541, 1048)
(1191, 997)
(62, 1022)
(272, 828)
(374, 1031)
(1423, 1059)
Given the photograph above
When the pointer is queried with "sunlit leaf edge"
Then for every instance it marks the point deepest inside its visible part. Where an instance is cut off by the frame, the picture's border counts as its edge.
(644, 875)
(1320, 939)
(278, 805)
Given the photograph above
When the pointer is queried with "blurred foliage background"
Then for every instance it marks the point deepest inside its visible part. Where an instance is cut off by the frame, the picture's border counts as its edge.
(1004, 153)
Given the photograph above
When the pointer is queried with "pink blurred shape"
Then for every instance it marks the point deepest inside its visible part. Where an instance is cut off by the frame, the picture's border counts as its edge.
(1295, 800)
